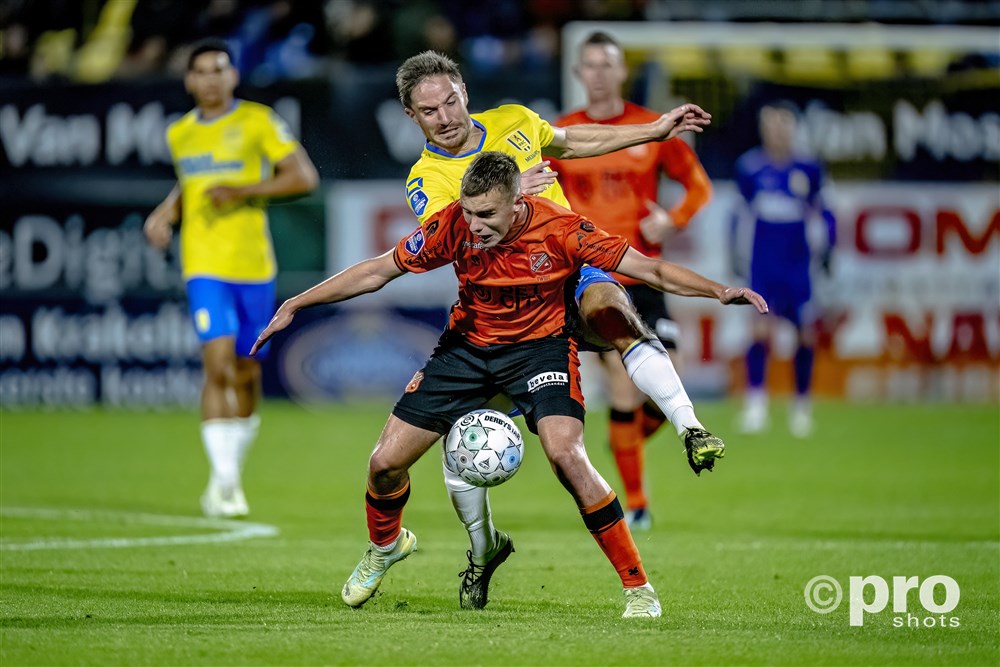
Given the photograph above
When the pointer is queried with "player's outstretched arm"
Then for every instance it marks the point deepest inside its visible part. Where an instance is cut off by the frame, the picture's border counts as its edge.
(371, 275)
(293, 175)
(159, 225)
(676, 279)
(590, 139)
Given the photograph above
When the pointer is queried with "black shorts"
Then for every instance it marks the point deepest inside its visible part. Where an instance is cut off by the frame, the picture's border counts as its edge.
(651, 306)
(541, 377)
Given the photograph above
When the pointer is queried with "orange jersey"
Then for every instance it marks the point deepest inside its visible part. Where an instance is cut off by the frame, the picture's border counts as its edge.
(613, 189)
(517, 290)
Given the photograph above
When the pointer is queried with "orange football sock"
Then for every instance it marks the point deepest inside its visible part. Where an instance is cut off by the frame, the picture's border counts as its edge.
(385, 514)
(627, 445)
(651, 419)
(605, 522)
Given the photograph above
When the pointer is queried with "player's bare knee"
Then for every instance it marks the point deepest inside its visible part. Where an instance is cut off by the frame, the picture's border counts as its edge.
(566, 457)
(219, 374)
(385, 475)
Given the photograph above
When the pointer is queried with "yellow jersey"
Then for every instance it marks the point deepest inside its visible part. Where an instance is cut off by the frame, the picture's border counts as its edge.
(436, 179)
(233, 242)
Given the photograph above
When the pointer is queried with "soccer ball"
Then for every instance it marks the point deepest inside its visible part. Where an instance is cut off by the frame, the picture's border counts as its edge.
(484, 448)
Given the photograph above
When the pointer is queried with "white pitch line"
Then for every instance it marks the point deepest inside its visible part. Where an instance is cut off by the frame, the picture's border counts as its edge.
(230, 531)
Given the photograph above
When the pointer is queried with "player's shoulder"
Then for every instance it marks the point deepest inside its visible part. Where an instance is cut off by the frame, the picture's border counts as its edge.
(430, 169)
(253, 109)
(506, 114)
(751, 161)
(808, 163)
(444, 224)
(183, 123)
(578, 117)
(545, 211)
(634, 113)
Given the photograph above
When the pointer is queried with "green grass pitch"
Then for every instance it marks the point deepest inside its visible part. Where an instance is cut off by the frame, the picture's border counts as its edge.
(882, 490)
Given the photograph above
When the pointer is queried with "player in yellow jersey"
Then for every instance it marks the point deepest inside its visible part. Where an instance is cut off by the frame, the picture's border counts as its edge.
(230, 157)
(433, 94)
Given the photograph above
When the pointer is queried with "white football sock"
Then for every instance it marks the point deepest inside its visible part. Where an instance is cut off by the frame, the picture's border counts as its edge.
(386, 548)
(221, 439)
(650, 368)
(248, 428)
(472, 504)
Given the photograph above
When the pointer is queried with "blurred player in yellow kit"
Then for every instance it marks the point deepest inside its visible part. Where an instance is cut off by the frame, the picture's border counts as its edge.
(230, 157)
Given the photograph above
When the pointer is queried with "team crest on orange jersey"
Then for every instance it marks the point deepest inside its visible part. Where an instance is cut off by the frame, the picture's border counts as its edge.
(519, 140)
(540, 262)
(418, 377)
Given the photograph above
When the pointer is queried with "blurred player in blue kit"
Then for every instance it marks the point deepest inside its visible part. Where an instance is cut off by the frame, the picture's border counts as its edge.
(782, 191)
(230, 157)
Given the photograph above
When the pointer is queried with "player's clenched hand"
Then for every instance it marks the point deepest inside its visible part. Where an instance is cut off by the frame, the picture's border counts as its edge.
(223, 194)
(655, 226)
(743, 295)
(536, 179)
(281, 320)
(686, 118)
(158, 229)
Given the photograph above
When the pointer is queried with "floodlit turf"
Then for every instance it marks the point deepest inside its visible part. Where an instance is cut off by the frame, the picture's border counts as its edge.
(886, 490)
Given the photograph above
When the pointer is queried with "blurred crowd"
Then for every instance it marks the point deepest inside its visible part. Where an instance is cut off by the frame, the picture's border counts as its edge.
(97, 40)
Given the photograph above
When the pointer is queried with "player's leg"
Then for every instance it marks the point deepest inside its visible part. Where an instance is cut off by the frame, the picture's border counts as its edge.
(651, 306)
(398, 447)
(254, 307)
(450, 385)
(562, 440)
(214, 315)
(626, 438)
(609, 315)
(554, 410)
(754, 417)
(800, 419)
(248, 391)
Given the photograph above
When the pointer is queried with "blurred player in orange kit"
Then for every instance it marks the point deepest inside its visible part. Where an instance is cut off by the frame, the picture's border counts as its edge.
(619, 192)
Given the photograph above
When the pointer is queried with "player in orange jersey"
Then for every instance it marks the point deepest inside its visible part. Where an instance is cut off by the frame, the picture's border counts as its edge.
(508, 329)
(433, 95)
(619, 192)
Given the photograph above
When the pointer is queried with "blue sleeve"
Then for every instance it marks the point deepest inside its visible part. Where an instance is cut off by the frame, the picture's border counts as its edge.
(744, 181)
(818, 178)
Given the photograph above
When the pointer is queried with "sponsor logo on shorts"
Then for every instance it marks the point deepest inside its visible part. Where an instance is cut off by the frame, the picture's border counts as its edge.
(587, 225)
(202, 320)
(415, 243)
(546, 380)
(418, 377)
